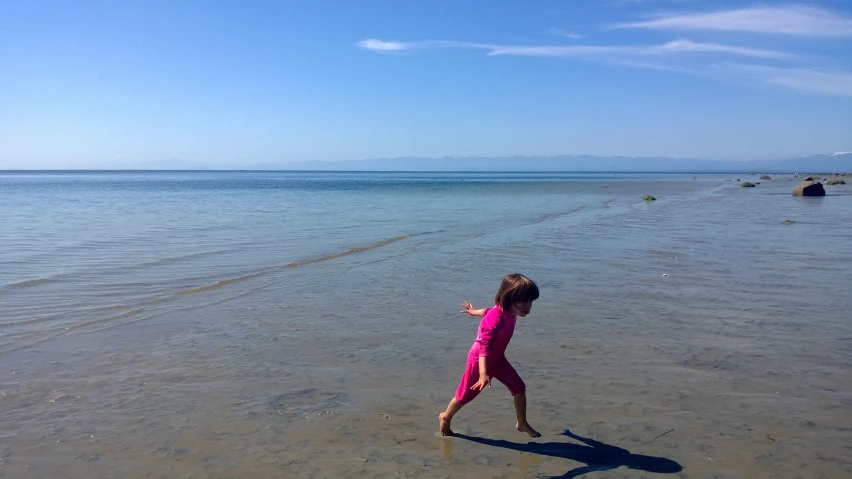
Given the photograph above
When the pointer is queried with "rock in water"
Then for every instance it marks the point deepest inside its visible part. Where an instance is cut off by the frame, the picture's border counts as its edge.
(765, 177)
(809, 188)
(747, 185)
(649, 198)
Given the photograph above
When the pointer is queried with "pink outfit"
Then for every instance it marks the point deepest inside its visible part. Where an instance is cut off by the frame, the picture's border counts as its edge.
(495, 332)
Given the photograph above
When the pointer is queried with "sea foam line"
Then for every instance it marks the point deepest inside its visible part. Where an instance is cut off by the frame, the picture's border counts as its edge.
(296, 264)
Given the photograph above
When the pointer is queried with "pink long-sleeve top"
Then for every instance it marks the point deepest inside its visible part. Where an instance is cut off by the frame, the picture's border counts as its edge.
(495, 332)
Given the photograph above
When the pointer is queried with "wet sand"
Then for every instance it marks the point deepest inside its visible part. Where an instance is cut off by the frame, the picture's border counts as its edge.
(737, 363)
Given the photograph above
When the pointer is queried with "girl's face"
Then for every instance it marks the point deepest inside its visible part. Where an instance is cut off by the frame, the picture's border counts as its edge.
(522, 309)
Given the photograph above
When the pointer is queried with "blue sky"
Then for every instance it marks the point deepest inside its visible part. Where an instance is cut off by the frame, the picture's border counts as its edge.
(112, 84)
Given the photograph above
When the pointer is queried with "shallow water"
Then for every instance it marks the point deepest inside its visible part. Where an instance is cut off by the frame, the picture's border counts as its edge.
(306, 325)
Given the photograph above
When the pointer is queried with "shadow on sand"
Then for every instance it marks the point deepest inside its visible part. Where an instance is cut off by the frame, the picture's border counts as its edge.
(597, 456)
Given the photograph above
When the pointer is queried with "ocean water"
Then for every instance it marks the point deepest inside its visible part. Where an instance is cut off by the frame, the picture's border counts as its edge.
(305, 324)
(94, 250)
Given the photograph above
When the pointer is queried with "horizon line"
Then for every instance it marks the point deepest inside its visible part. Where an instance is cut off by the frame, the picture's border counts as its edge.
(249, 170)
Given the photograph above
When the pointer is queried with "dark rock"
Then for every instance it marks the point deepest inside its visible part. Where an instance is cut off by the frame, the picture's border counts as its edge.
(765, 177)
(789, 222)
(809, 188)
(747, 185)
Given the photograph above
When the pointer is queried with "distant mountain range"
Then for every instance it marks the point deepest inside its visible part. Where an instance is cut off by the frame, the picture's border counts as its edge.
(836, 162)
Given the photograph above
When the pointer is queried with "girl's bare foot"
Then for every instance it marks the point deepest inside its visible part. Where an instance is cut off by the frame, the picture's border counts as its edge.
(444, 425)
(525, 427)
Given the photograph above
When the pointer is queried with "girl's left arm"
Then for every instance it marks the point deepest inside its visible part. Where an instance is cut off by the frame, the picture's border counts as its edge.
(467, 308)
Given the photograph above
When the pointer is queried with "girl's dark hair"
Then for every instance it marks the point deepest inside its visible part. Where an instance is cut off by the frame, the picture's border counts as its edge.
(515, 288)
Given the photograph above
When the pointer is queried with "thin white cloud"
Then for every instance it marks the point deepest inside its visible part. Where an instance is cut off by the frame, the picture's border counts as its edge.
(659, 57)
(690, 46)
(566, 51)
(807, 79)
(786, 20)
(564, 33)
(618, 3)
(674, 47)
(665, 67)
(382, 46)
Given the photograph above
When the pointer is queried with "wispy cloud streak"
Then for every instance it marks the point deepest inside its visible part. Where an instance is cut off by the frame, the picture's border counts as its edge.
(558, 32)
(673, 47)
(382, 46)
(788, 20)
(806, 79)
(690, 46)
(834, 83)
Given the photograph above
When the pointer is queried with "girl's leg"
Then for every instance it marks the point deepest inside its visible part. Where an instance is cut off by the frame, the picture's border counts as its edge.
(463, 396)
(446, 417)
(507, 375)
(521, 413)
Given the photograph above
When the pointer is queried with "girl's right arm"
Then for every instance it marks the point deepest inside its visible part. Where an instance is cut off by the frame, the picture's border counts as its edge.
(491, 324)
(484, 378)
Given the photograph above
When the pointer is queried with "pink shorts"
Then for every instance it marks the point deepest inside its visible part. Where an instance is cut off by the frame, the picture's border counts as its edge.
(502, 371)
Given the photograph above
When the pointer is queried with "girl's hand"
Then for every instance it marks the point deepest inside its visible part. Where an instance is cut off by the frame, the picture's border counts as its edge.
(484, 380)
(467, 308)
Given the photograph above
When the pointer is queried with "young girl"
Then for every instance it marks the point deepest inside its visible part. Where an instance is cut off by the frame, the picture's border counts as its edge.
(486, 360)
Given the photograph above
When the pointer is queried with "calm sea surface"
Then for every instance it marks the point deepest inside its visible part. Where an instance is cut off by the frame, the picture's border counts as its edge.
(96, 250)
(301, 324)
